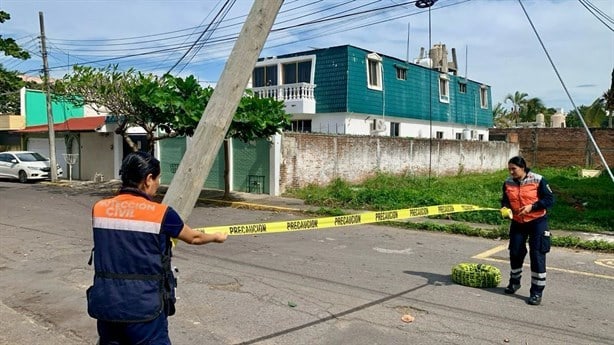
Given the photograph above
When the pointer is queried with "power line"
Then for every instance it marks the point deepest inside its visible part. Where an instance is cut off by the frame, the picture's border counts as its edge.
(594, 15)
(332, 20)
(588, 132)
(221, 13)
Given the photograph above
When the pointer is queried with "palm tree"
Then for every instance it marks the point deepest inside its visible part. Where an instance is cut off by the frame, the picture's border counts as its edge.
(531, 108)
(518, 99)
(501, 117)
(593, 115)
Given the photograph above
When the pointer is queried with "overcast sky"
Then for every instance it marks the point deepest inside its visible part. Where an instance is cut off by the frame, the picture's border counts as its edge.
(495, 35)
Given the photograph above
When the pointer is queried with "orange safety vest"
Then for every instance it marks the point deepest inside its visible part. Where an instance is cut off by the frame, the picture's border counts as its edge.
(133, 281)
(522, 193)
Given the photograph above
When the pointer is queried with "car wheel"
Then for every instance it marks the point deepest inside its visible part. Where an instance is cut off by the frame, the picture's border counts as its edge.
(23, 177)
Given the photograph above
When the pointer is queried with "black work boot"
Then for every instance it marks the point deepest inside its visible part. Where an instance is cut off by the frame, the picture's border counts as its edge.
(534, 300)
(511, 288)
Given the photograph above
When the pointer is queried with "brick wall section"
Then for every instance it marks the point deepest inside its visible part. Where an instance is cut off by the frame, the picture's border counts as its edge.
(318, 158)
(562, 147)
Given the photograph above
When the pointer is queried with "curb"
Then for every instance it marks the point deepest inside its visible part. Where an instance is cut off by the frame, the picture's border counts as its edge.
(250, 206)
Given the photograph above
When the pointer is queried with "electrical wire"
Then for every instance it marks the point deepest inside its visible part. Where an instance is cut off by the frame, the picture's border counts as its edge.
(209, 31)
(588, 8)
(330, 20)
(558, 75)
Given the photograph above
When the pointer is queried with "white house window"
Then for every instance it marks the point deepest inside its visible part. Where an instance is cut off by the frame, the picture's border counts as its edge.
(401, 72)
(444, 88)
(303, 126)
(374, 71)
(484, 97)
(394, 129)
(264, 76)
(297, 72)
(439, 135)
(462, 88)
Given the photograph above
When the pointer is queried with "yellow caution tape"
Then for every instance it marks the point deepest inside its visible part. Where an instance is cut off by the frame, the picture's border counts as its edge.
(346, 220)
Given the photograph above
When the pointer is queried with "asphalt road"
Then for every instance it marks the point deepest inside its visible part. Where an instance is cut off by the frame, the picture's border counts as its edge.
(347, 285)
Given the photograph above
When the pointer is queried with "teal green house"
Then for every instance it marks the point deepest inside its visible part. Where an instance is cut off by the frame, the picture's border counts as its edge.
(350, 90)
(354, 91)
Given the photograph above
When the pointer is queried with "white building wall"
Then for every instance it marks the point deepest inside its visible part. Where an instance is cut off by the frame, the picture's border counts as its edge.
(97, 156)
(362, 124)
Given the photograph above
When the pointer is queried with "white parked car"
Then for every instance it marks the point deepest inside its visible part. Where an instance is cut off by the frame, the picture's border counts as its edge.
(25, 166)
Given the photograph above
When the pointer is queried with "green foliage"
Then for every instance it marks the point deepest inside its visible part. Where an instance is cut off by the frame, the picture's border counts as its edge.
(582, 204)
(594, 115)
(172, 104)
(10, 83)
(8, 45)
(258, 118)
(458, 229)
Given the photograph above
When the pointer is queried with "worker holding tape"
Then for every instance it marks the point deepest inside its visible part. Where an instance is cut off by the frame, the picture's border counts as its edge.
(134, 286)
(526, 197)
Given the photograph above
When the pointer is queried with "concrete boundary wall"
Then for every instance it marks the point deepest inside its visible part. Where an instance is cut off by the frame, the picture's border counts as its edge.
(309, 158)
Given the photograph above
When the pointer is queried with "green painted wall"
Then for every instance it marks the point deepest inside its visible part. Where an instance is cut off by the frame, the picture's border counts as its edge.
(251, 159)
(171, 153)
(248, 159)
(36, 109)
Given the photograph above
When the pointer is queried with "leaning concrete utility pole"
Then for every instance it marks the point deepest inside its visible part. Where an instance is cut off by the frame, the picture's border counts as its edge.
(54, 171)
(213, 126)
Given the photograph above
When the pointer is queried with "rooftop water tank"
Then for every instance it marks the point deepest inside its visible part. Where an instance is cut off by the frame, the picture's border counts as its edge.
(558, 119)
(541, 122)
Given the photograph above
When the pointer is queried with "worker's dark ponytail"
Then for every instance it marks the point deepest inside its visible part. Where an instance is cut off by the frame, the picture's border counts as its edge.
(136, 166)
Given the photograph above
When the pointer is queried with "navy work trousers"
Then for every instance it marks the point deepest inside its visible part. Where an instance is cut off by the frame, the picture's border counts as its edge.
(536, 231)
(154, 332)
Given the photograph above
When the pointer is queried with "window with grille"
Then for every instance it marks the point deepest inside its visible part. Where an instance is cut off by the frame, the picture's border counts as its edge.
(394, 129)
(300, 126)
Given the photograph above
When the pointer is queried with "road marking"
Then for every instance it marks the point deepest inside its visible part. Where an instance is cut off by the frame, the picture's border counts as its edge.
(488, 253)
(603, 262)
(609, 263)
(406, 251)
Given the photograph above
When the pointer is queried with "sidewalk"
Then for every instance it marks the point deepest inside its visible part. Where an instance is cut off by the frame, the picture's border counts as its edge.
(285, 204)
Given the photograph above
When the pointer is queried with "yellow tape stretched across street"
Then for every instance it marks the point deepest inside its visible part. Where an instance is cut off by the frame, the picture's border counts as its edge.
(345, 220)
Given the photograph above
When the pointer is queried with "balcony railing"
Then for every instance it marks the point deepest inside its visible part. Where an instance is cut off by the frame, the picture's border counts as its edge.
(286, 91)
(298, 97)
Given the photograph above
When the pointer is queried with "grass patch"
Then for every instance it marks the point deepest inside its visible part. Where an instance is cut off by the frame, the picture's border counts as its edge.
(582, 204)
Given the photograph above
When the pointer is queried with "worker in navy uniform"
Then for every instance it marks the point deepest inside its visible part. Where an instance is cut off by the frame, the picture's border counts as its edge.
(528, 196)
(134, 288)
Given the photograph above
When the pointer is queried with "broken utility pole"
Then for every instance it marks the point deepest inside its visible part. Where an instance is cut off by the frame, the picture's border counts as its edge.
(213, 126)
